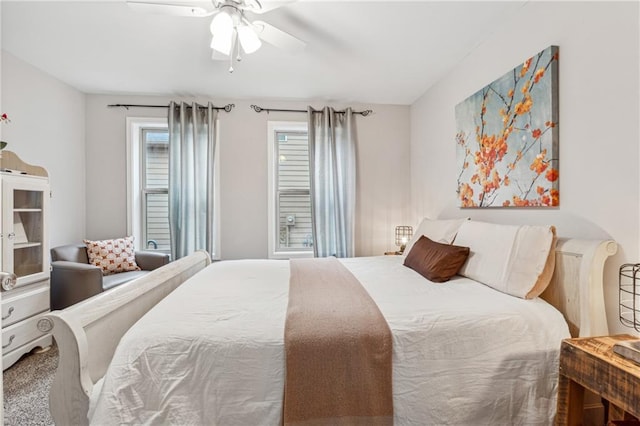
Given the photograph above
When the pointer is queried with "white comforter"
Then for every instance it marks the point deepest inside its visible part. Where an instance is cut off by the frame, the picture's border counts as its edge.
(212, 352)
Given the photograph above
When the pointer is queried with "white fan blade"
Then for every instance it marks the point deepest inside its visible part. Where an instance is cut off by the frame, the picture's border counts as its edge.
(278, 38)
(195, 8)
(268, 5)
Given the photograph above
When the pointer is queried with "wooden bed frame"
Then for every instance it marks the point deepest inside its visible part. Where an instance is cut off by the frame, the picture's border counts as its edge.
(88, 333)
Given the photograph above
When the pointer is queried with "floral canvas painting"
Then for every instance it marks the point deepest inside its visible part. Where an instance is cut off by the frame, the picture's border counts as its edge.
(507, 138)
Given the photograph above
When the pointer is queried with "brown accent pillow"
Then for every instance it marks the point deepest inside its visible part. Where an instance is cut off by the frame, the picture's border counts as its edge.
(436, 262)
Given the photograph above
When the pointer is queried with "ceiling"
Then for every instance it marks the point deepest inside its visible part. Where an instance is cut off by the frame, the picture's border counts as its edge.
(386, 52)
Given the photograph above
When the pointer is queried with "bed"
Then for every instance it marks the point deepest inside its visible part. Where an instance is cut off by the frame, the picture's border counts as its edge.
(463, 353)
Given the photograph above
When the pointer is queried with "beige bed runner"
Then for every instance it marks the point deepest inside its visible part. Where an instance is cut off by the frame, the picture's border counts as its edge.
(338, 349)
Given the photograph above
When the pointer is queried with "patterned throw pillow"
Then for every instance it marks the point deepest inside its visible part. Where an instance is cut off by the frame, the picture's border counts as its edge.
(112, 256)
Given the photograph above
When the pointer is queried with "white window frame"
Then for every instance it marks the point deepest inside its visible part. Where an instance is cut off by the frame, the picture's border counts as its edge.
(134, 179)
(272, 215)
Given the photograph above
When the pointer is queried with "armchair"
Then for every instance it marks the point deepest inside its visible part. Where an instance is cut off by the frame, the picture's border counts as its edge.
(74, 279)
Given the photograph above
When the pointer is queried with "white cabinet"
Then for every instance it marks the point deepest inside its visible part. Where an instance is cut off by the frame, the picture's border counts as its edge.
(24, 201)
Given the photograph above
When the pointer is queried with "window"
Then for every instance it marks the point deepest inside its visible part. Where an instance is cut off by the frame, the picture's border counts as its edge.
(148, 185)
(290, 233)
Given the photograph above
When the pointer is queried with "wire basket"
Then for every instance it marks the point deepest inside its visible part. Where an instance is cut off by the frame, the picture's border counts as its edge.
(629, 295)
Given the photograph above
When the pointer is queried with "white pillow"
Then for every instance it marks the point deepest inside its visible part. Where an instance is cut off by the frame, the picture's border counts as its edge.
(517, 260)
(441, 231)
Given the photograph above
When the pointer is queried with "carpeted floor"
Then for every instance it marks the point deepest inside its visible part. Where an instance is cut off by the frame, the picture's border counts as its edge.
(26, 389)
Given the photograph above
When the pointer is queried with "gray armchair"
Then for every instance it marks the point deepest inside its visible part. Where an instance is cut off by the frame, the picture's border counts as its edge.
(73, 279)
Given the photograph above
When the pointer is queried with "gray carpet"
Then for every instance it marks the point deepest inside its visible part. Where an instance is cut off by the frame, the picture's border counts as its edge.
(26, 389)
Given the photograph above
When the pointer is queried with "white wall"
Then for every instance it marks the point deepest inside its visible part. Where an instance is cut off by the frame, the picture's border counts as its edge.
(383, 177)
(47, 129)
(1, 110)
(599, 118)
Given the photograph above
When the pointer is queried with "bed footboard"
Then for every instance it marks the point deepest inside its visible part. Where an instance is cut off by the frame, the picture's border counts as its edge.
(87, 333)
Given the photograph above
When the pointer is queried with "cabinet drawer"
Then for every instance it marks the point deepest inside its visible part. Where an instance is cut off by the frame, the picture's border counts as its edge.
(21, 333)
(25, 303)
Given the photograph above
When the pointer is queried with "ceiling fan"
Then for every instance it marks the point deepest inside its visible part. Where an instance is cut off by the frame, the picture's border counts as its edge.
(232, 33)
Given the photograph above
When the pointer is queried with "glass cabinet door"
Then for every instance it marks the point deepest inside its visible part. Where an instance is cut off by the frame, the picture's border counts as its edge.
(25, 202)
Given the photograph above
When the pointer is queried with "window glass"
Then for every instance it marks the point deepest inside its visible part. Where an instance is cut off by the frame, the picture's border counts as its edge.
(290, 231)
(293, 201)
(155, 189)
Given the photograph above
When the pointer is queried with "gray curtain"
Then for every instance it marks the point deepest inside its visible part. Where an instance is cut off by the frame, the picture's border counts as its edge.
(332, 164)
(191, 158)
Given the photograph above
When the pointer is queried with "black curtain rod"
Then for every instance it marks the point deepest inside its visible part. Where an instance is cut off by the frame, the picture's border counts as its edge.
(256, 108)
(227, 107)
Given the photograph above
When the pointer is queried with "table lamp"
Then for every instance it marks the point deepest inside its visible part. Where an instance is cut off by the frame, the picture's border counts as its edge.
(403, 235)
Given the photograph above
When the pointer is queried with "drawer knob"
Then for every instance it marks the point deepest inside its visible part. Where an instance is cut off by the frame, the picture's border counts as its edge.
(8, 280)
(45, 325)
(13, 336)
(9, 312)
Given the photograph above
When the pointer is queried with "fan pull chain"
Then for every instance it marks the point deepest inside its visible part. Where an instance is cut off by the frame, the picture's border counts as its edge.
(234, 42)
(235, 45)
(238, 57)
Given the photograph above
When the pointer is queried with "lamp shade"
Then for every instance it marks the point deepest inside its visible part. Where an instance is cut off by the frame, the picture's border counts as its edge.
(403, 235)
(222, 44)
(222, 29)
(221, 24)
(248, 38)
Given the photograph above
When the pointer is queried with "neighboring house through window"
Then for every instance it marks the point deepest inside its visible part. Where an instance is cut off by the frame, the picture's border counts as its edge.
(290, 232)
(155, 188)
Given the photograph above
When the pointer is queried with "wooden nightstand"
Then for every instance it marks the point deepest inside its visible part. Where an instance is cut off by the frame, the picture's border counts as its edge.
(590, 363)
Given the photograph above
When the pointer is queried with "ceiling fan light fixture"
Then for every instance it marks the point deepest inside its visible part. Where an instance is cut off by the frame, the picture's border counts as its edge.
(221, 24)
(248, 38)
(223, 43)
